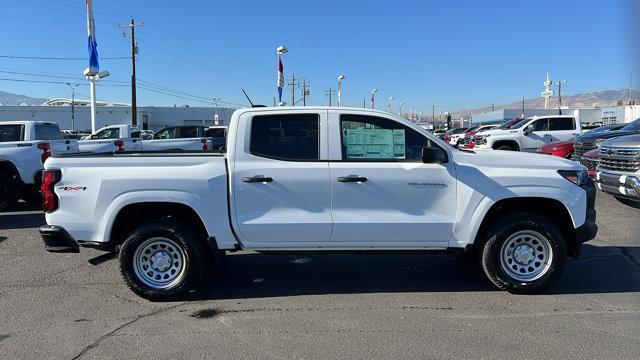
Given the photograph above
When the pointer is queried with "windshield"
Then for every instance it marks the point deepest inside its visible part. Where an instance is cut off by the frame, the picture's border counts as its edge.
(471, 129)
(505, 125)
(633, 126)
(520, 124)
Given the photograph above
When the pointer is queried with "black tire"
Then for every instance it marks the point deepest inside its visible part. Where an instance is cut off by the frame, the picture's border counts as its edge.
(9, 192)
(633, 203)
(505, 147)
(32, 195)
(189, 248)
(504, 230)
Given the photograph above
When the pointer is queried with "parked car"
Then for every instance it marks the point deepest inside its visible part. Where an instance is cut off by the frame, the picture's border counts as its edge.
(590, 160)
(128, 138)
(218, 135)
(565, 148)
(618, 172)
(454, 136)
(530, 133)
(469, 137)
(24, 146)
(319, 179)
(592, 139)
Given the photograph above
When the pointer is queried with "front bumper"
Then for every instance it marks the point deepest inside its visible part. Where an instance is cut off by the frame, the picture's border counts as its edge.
(58, 240)
(589, 229)
(627, 186)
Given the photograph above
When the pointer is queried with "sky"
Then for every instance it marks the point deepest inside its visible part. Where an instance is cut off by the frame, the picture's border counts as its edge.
(452, 54)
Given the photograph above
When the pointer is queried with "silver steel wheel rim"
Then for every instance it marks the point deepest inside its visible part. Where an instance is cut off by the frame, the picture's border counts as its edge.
(159, 263)
(526, 255)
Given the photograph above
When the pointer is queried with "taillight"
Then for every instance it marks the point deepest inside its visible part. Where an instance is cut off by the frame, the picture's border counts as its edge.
(119, 144)
(49, 197)
(205, 146)
(46, 151)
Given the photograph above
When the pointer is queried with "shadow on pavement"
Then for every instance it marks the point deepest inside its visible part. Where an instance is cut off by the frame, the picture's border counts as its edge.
(601, 269)
(21, 221)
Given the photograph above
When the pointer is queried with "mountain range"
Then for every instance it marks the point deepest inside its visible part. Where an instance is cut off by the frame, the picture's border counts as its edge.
(7, 99)
(602, 98)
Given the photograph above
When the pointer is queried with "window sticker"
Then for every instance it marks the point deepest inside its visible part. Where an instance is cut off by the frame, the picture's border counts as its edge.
(375, 143)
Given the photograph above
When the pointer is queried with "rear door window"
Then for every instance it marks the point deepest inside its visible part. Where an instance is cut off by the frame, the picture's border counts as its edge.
(10, 133)
(557, 124)
(47, 132)
(113, 133)
(286, 137)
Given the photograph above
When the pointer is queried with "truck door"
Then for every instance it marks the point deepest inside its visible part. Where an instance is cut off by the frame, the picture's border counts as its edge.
(536, 134)
(281, 186)
(381, 189)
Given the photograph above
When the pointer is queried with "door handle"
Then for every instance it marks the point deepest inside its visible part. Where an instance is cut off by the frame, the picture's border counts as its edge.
(352, 178)
(257, 179)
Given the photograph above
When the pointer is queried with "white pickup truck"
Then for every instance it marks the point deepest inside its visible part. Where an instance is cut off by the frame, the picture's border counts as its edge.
(529, 134)
(319, 179)
(128, 138)
(24, 146)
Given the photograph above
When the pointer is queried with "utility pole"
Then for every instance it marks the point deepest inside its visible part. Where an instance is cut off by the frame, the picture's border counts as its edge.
(134, 51)
(560, 96)
(329, 93)
(433, 113)
(305, 91)
(73, 104)
(293, 85)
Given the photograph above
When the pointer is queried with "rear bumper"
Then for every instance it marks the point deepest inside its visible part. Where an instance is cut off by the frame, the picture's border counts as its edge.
(58, 240)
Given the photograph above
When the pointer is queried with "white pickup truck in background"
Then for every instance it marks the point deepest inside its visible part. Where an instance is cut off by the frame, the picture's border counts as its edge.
(319, 179)
(529, 134)
(24, 146)
(128, 138)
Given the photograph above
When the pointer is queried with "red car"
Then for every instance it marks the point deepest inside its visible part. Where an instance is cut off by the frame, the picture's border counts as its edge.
(590, 159)
(557, 148)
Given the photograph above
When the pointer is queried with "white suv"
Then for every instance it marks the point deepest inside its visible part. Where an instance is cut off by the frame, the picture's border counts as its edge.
(530, 133)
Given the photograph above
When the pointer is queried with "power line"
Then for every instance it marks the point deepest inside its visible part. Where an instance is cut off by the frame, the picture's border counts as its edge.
(58, 58)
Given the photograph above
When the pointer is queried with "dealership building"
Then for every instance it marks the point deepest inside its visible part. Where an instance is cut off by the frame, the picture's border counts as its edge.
(149, 117)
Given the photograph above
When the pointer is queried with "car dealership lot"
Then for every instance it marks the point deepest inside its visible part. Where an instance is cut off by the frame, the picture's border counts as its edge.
(340, 306)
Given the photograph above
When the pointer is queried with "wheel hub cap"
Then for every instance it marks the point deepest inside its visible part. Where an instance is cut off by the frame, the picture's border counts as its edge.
(523, 254)
(161, 261)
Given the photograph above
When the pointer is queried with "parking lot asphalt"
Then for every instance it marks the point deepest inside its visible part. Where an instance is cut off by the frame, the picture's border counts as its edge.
(62, 306)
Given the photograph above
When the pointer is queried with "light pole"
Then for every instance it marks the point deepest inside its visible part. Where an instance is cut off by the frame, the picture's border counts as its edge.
(400, 108)
(341, 77)
(215, 113)
(93, 76)
(560, 95)
(373, 97)
(73, 104)
(523, 99)
(389, 103)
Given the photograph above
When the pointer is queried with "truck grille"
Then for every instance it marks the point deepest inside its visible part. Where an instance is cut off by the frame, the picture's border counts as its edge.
(579, 148)
(623, 159)
(480, 140)
(589, 163)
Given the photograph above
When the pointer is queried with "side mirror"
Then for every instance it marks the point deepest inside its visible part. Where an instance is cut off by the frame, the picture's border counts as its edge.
(434, 155)
(528, 130)
(93, 137)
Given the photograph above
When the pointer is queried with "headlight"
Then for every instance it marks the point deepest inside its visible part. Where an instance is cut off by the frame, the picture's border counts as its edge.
(578, 177)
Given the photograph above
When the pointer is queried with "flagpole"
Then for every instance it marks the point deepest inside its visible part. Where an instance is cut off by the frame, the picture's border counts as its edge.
(280, 82)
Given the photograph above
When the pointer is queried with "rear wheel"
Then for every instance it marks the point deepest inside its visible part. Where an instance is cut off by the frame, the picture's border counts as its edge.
(9, 192)
(506, 147)
(161, 260)
(523, 254)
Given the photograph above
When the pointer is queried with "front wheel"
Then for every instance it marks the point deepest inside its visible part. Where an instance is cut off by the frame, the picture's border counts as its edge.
(161, 260)
(505, 147)
(523, 254)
